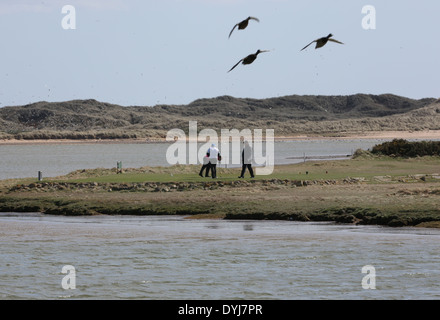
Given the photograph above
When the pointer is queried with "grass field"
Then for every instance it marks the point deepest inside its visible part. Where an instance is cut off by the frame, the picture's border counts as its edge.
(364, 190)
(366, 167)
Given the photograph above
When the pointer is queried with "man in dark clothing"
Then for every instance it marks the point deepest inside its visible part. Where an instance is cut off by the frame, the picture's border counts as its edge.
(205, 166)
(246, 160)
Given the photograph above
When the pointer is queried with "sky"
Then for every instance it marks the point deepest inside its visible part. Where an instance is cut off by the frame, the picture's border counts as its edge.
(145, 53)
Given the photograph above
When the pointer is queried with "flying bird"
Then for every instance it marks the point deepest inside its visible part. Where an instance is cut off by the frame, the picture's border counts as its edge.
(322, 42)
(249, 59)
(242, 25)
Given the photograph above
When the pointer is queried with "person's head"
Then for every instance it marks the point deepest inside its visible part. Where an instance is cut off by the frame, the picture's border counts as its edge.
(213, 145)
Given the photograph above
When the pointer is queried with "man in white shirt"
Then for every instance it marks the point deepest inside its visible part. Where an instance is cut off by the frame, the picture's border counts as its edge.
(214, 154)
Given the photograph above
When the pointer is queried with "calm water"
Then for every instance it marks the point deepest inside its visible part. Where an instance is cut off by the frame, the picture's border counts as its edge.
(127, 257)
(22, 161)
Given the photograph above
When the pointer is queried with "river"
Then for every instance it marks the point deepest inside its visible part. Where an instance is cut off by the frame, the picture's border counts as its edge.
(168, 257)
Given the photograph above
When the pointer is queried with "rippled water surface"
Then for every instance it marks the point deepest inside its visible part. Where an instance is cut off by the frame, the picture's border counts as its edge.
(167, 257)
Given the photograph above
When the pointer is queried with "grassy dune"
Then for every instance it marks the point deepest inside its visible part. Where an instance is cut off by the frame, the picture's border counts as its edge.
(288, 116)
(363, 190)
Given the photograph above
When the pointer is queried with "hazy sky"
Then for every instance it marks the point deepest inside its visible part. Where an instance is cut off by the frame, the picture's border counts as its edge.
(142, 52)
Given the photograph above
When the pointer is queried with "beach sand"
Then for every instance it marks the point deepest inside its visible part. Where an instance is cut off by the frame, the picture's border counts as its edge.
(427, 134)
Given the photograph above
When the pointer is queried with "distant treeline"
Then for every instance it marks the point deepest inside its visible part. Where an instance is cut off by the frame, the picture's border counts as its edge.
(404, 148)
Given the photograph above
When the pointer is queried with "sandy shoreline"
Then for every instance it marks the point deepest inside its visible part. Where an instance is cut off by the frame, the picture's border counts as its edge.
(428, 134)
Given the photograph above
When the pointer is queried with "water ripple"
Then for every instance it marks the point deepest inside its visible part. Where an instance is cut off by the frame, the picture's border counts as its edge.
(174, 258)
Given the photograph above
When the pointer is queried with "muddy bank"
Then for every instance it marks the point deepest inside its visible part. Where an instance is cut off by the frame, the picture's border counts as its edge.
(351, 215)
(271, 199)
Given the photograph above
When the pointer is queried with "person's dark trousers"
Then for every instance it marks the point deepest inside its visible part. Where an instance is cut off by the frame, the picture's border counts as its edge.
(243, 169)
(205, 167)
(213, 167)
(208, 168)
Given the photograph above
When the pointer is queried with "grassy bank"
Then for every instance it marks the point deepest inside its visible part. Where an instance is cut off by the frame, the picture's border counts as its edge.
(365, 190)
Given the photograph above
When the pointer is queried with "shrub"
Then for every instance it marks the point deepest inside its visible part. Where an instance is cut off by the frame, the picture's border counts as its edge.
(404, 148)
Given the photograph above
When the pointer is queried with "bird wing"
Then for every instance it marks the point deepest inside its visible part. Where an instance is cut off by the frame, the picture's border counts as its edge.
(232, 30)
(253, 18)
(335, 41)
(236, 65)
(308, 45)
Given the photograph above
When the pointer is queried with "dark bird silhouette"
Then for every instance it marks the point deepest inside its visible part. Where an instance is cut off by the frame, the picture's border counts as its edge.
(322, 42)
(242, 25)
(249, 59)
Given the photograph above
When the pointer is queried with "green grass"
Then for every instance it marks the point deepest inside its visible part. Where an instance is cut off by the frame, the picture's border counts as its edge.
(313, 170)
(367, 168)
